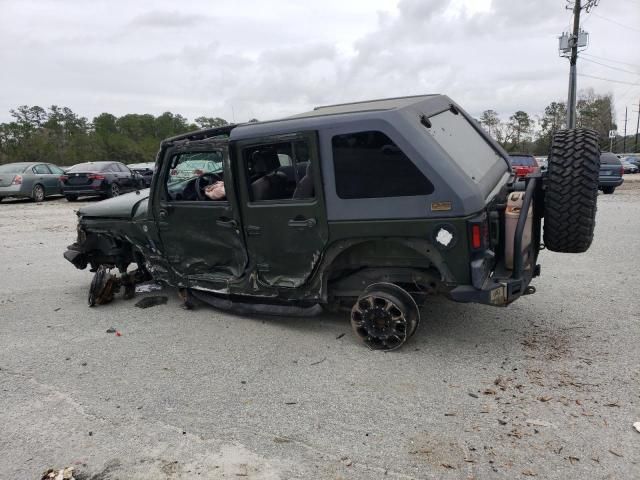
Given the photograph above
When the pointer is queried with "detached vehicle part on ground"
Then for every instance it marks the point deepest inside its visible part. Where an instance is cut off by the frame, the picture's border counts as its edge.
(369, 206)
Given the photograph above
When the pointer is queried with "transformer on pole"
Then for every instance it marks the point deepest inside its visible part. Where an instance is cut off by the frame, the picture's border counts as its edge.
(569, 43)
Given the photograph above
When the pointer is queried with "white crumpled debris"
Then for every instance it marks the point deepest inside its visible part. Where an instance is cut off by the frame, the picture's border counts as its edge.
(637, 426)
(148, 287)
(539, 423)
(62, 474)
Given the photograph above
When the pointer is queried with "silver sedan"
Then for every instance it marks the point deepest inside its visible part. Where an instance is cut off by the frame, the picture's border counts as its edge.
(30, 180)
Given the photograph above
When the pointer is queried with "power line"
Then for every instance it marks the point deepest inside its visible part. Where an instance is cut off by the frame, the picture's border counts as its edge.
(617, 23)
(611, 60)
(613, 68)
(609, 79)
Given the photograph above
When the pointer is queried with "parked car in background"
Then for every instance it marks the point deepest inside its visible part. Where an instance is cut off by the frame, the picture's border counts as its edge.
(633, 159)
(629, 167)
(523, 164)
(611, 171)
(144, 172)
(33, 180)
(98, 179)
(542, 163)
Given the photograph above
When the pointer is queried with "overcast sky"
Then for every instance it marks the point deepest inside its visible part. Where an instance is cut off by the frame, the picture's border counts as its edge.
(268, 59)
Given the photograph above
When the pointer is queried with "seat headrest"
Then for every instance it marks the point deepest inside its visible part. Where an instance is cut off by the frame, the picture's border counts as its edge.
(265, 161)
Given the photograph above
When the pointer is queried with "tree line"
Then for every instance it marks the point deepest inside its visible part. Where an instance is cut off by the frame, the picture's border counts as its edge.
(523, 133)
(58, 135)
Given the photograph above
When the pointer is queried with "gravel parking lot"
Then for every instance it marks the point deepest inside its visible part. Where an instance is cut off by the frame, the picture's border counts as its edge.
(546, 388)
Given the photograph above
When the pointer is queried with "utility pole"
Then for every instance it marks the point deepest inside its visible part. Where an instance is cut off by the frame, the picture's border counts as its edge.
(571, 102)
(624, 139)
(569, 44)
(637, 128)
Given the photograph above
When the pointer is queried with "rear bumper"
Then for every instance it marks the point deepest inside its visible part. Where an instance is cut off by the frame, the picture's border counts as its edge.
(14, 191)
(610, 181)
(85, 191)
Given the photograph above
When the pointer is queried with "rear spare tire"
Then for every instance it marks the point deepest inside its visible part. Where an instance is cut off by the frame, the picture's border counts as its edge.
(571, 191)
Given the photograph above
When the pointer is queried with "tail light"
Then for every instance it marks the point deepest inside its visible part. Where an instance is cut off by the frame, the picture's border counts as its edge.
(479, 233)
(96, 177)
(17, 180)
(64, 178)
(621, 170)
(476, 236)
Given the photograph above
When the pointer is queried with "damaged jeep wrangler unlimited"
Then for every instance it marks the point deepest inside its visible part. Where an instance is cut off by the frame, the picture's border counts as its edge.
(373, 206)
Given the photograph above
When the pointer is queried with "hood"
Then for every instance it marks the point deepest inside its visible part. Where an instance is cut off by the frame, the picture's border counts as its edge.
(124, 206)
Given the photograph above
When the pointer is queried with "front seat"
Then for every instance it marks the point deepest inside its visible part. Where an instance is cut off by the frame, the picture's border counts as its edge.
(266, 184)
(305, 186)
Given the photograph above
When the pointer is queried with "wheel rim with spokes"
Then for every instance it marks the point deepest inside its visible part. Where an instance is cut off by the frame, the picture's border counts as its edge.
(384, 317)
(38, 193)
(115, 191)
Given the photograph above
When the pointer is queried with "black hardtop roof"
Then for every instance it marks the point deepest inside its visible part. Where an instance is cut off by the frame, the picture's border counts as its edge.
(363, 106)
(326, 116)
(318, 117)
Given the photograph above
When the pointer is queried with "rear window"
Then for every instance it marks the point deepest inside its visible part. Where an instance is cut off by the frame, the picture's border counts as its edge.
(609, 159)
(522, 161)
(13, 167)
(88, 167)
(463, 144)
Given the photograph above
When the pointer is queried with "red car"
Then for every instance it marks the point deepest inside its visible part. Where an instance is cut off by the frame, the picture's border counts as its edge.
(523, 164)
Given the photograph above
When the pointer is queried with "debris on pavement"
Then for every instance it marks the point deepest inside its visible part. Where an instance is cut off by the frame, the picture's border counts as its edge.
(637, 426)
(111, 330)
(148, 287)
(539, 423)
(147, 302)
(340, 336)
(118, 334)
(55, 474)
(318, 362)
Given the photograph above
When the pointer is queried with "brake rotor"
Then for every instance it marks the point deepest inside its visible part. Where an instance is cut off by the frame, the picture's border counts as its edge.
(103, 287)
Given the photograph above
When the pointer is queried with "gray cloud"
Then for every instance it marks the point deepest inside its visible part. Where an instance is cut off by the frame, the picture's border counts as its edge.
(164, 19)
(272, 60)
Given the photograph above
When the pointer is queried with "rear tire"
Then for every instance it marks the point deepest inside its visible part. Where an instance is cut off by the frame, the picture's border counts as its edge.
(71, 198)
(608, 190)
(114, 190)
(38, 193)
(571, 191)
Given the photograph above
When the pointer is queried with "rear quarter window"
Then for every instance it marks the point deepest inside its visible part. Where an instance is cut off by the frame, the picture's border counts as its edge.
(370, 165)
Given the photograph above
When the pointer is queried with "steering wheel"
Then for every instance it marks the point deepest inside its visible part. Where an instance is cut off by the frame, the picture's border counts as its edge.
(210, 179)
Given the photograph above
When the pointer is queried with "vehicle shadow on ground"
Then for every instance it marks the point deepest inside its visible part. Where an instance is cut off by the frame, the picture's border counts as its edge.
(443, 322)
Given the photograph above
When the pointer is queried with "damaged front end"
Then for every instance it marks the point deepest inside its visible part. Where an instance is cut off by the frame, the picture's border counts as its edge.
(105, 249)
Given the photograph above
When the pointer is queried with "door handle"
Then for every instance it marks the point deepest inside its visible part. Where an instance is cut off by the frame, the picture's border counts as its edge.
(226, 222)
(302, 222)
(163, 213)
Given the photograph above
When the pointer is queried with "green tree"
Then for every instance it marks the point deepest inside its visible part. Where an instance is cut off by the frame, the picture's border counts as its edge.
(210, 122)
(519, 131)
(490, 121)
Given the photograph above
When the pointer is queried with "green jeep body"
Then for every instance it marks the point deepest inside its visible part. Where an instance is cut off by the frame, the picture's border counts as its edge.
(408, 191)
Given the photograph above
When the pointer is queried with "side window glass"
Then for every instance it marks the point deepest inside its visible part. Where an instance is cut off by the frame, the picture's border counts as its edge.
(195, 176)
(279, 171)
(56, 170)
(112, 168)
(123, 168)
(41, 170)
(370, 165)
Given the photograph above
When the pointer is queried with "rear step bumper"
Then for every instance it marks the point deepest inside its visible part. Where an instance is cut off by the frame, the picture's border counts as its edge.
(503, 290)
